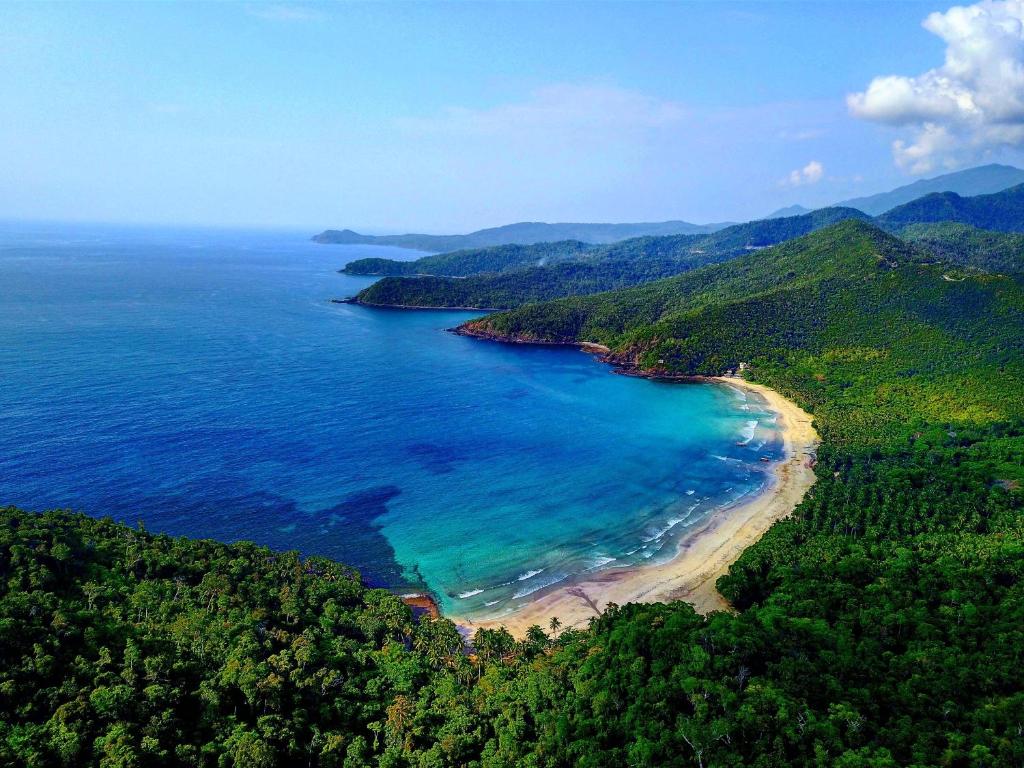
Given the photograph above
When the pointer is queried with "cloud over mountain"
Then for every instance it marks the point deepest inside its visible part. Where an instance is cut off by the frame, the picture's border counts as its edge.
(811, 173)
(971, 105)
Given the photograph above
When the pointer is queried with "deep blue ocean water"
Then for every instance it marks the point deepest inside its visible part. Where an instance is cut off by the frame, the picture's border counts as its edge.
(200, 381)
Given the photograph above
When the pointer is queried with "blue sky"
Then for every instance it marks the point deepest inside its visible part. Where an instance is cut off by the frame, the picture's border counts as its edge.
(450, 117)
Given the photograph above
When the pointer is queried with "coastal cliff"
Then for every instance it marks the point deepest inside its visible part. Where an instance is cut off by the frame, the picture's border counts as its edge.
(626, 362)
(479, 329)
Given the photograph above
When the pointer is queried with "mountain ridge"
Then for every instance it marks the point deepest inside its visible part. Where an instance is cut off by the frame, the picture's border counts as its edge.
(985, 179)
(850, 246)
(538, 276)
(1001, 211)
(980, 180)
(981, 237)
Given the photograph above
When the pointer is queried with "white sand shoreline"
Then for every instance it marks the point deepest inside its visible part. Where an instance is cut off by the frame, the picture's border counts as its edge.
(703, 556)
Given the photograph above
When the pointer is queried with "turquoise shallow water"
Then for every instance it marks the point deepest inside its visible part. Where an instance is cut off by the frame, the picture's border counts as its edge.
(200, 381)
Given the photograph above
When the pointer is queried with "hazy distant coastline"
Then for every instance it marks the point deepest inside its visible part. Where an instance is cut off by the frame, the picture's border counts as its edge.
(521, 233)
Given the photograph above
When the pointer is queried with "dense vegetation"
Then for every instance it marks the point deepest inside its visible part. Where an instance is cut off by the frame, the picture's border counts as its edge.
(1001, 211)
(882, 625)
(522, 233)
(126, 649)
(969, 246)
(473, 261)
(875, 590)
(519, 286)
(839, 257)
(550, 270)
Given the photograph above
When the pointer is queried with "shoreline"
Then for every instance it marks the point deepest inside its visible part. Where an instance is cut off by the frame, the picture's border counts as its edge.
(703, 556)
(358, 303)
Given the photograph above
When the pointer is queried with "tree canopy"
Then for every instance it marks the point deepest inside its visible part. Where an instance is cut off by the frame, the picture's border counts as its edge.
(882, 624)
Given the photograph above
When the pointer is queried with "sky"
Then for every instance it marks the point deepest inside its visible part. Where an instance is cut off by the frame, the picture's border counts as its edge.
(455, 116)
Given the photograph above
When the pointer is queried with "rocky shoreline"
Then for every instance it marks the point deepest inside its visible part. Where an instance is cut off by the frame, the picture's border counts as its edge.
(422, 605)
(465, 330)
(621, 364)
(358, 302)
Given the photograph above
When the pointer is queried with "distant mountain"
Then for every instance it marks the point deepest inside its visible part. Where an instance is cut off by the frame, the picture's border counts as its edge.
(790, 210)
(1001, 211)
(982, 180)
(523, 233)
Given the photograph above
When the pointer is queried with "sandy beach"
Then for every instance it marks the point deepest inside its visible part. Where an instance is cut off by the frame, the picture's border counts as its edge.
(703, 556)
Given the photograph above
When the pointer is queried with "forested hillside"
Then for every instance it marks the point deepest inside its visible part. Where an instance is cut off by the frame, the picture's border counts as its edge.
(551, 270)
(473, 261)
(846, 252)
(1001, 211)
(521, 286)
(969, 246)
(881, 625)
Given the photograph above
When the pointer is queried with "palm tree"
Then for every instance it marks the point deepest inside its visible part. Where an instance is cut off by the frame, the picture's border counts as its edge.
(536, 639)
(554, 624)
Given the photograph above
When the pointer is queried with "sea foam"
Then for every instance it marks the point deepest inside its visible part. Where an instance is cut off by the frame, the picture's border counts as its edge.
(748, 431)
(541, 584)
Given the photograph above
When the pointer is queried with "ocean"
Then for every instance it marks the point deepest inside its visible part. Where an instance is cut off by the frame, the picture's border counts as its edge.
(201, 382)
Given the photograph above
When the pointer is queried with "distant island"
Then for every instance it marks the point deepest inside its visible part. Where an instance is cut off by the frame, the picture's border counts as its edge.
(522, 233)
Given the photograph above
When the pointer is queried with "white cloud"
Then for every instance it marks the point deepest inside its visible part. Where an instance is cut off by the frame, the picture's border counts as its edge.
(811, 173)
(966, 108)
